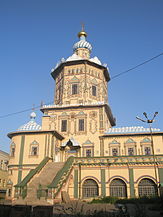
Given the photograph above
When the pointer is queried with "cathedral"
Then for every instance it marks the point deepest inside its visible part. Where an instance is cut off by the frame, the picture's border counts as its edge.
(77, 149)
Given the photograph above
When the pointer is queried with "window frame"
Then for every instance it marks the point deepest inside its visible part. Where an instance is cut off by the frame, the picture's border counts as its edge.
(34, 144)
(64, 128)
(88, 152)
(115, 148)
(147, 150)
(33, 153)
(12, 154)
(74, 91)
(129, 154)
(81, 125)
(94, 90)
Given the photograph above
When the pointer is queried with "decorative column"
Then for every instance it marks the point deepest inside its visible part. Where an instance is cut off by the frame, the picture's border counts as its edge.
(76, 180)
(103, 183)
(131, 181)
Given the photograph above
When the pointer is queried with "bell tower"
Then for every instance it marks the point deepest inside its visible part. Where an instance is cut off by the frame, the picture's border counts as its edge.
(80, 111)
(80, 79)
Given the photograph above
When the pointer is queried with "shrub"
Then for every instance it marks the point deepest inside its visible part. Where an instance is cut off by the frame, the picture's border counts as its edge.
(108, 199)
(141, 200)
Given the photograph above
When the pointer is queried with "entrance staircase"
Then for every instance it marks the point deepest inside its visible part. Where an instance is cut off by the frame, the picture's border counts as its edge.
(43, 179)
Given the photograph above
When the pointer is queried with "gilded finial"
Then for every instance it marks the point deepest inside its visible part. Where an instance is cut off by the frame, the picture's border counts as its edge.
(82, 32)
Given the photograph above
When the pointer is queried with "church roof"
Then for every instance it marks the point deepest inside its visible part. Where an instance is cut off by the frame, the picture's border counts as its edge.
(31, 125)
(82, 43)
(75, 57)
(74, 143)
(133, 129)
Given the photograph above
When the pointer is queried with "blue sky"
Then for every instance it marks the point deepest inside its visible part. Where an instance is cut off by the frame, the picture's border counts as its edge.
(35, 34)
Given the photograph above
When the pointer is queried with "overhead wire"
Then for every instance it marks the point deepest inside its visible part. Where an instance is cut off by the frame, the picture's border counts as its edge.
(147, 61)
(22, 111)
(115, 76)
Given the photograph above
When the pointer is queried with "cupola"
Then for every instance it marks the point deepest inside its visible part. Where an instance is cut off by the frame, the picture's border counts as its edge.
(82, 48)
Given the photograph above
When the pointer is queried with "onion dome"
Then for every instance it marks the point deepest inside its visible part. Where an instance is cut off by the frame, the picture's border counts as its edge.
(82, 43)
(31, 125)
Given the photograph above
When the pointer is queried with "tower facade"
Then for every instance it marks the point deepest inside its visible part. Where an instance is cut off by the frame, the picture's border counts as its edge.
(80, 111)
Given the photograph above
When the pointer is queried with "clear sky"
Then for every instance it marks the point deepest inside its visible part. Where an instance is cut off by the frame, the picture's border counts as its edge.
(36, 34)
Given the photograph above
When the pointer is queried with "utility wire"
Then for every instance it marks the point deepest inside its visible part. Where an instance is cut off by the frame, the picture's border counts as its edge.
(147, 61)
(115, 76)
(19, 112)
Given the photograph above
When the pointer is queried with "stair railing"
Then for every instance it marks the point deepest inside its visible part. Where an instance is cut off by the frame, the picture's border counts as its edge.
(60, 178)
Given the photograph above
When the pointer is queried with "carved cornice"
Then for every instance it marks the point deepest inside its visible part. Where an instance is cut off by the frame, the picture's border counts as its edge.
(120, 160)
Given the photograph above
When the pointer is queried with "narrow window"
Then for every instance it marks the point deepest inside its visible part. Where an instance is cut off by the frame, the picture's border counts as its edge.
(74, 89)
(81, 124)
(130, 151)
(34, 151)
(114, 151)
(12, 151)
(88, 153)
(94, 91)
(9, 192)
(147, 150)
(64, 126)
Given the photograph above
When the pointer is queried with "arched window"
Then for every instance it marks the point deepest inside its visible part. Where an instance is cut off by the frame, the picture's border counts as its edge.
(147, 187)
(12, 150)
(90, 188)
(118, 188)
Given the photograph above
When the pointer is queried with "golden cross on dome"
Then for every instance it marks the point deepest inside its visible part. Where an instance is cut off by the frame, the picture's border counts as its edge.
(82, 32)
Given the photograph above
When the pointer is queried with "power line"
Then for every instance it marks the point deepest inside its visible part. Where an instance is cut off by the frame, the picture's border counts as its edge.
(19, 112)
(147, 61)
(115, 76)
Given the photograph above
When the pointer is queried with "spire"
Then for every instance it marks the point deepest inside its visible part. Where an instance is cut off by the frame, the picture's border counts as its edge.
(82, 34)
(82, 48)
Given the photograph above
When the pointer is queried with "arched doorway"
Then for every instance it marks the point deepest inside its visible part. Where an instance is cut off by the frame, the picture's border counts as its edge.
(90, 188)
(147, 187)
(118, 188)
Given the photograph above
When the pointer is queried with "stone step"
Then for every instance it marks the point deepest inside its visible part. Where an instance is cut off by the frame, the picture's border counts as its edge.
(45, 177)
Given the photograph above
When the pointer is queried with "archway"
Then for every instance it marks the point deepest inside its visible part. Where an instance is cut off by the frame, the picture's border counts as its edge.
(147, 187)
(90, 188)
(118, 188)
